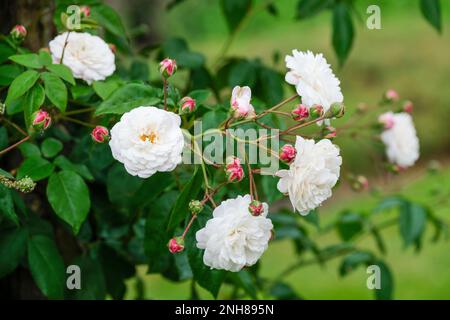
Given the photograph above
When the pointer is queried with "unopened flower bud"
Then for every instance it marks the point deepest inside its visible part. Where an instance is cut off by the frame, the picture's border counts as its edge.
(187, 105)
(195, 206)
(113, 47)
(167, 67)
(329, 132)
(176, 245)
(25, 185)
(2, 108)
(360, 183)
(41, 120)
(391, 95)
(288, 153)
(300, 112)
(387, 120)
(100, 134)
(394, 168)
(256, 208)
(336, 110)
(408, 106)
(315, 112)
(85, 11)
(18, 33)
(234, 170)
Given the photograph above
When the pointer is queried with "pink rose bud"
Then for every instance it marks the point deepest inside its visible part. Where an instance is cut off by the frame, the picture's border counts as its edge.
(288, 153)
(408, 106)
(187, 105)
(329, 132)
(113, 47)
(18, 33)
(300, 113)
(234, 170)
(41, 120)
(360, 183)
(85, 11)
(176, 245)
(391, 95)
(100, 134)
(316, 111)
(387, 120)
(167, 67)
(255, 208)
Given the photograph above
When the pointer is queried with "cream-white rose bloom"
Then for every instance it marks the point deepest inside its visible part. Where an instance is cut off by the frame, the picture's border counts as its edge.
(234, 238)
(88, 56)
(401, 141)
(313, 78)
(311, 176)
(147, 140)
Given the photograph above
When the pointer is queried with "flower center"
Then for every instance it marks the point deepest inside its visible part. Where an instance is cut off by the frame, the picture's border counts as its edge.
(152, 137)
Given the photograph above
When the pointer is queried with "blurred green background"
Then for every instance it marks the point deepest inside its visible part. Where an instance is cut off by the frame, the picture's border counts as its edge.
(407, 54)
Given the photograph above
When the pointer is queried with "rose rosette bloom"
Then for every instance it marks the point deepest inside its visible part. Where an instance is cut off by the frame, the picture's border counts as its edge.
(100, 134)
(88, 56)
(312, 174)
(240, 102)
(147, 140)
(313, 78)
(401, 141)
(234, 238)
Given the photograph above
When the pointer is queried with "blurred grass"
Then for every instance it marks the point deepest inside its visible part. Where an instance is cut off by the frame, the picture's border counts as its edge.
(406, 54)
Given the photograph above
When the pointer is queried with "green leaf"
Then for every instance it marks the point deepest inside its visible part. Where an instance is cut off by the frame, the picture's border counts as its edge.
(349, 225)
(283, 291)
(93, 286)
(342, 31)
(105, 88)
(412, 221)
(32, 100)
(431, 10)
(108, 17)
(69, 197)
(139, 71)
(208, 278)
(7, 205)
(29, 60)
(127, 98)
(13, 244)
(180, 210)
(309, 8)
(5, 51)
(65, 164)
(354, 260)
(271, 86)
(235, 11)
(46, 266)
(6, 174)
(62, 71)
(178, 49)
(245, 280)
(51, 147)
(8, 73)
(21, 84)
(3, 138)
(36, 168)
(55, 90)
(242, 73)
(29, 150)
(45, 58)
(199, 95)
(387, 282)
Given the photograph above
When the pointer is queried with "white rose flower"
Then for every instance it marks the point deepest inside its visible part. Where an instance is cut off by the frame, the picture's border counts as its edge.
(312, 174)
(402, 144)
(147, 140)
(240, 101)
(234, 238)
(313, 78)
(88, 56)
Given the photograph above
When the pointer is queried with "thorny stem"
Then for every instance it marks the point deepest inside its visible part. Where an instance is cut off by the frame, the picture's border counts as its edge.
(89, 125)
(15, 126)
(79, 111)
